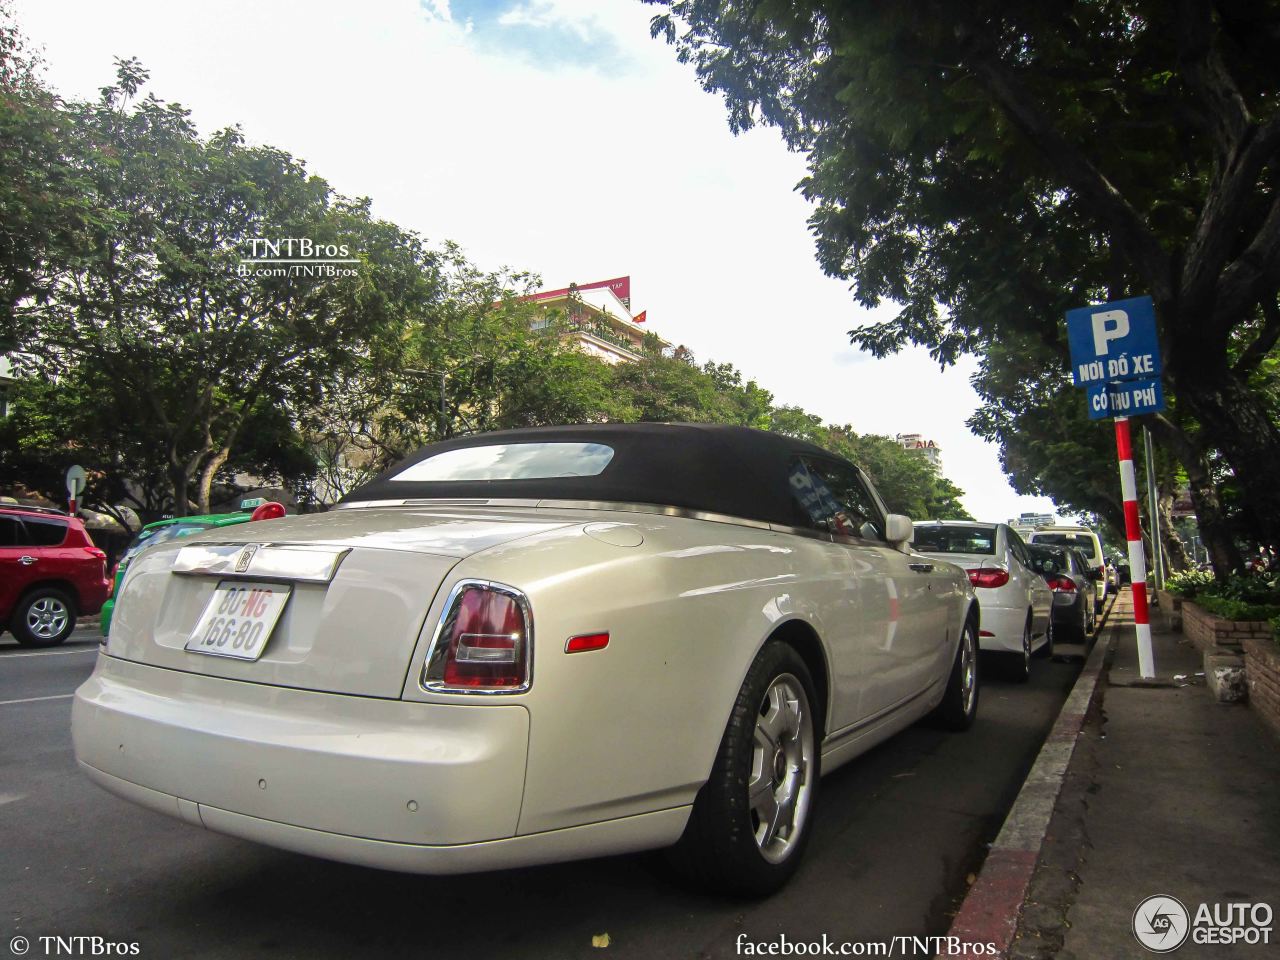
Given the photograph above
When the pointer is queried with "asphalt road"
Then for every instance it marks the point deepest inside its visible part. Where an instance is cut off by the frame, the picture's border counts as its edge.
(898, 831)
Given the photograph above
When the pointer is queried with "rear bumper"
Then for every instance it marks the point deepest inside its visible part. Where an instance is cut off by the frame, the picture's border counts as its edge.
(91, 596)
(368, 769)
(1005, 624)
(1068, 612)
(626, 835)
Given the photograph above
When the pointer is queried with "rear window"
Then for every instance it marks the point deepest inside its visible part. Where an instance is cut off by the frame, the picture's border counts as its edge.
(1083, 542)
(511, 461)
(955, 539)
(45, 533)
(1045, 559)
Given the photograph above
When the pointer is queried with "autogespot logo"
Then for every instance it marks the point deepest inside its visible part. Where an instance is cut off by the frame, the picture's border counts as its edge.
(1161, 923)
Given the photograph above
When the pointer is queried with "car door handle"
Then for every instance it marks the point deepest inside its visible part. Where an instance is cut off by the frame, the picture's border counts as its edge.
(26, 561)
(921, 567)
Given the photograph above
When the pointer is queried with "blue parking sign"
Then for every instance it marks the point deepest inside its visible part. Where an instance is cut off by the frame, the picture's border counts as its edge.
(1114, 341)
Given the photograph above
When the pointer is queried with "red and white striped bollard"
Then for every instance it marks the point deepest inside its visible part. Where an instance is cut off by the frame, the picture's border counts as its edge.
(1137, 559)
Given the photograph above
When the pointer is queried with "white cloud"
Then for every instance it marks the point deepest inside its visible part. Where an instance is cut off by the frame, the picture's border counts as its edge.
(575, 170)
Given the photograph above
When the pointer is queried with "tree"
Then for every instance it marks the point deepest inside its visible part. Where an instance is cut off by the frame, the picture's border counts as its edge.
(988, 166)
(44, 210)
(163, 313)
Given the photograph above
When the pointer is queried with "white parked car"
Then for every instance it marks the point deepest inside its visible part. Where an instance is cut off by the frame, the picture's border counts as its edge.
(532, 646)
(1090, 546)
(1017, 604)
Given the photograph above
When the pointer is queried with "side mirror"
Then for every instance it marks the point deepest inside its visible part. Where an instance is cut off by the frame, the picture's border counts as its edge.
(898, 529)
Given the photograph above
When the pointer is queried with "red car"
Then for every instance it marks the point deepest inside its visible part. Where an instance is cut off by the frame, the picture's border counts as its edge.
(50, 573)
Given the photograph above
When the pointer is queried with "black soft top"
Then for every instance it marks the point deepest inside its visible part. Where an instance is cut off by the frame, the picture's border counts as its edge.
(707, 467)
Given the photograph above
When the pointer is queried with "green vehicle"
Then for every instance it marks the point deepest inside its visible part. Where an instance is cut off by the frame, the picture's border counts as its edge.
(175, 527)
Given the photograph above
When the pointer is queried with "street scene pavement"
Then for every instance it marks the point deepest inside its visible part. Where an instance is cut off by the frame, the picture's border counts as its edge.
(543, 479)
(1169, 792)
(900, 832)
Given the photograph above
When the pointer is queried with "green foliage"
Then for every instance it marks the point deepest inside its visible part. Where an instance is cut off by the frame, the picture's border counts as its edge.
(158, 319)
(1237, 597)
(988, 165)
(1188, 583)
(157, 359)
(1230, 609)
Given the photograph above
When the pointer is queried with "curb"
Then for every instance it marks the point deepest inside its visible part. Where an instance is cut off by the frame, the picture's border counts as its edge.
(988, 916)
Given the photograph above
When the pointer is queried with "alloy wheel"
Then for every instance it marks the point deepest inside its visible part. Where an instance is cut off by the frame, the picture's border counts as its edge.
(47, 617)
(968, 670)
(782, 764)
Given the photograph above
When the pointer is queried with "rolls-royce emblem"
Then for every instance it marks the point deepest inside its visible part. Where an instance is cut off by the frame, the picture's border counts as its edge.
(246, 557)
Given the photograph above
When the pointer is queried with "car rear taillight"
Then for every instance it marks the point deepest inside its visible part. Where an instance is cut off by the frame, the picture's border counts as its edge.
(1062, 585)
(483, 643)
(988, 577)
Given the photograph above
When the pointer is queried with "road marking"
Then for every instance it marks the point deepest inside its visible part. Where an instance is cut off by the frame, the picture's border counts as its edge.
(47, 653)
(58, 696)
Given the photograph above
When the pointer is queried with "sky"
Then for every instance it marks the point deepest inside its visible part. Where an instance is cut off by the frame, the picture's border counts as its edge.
(553, 136)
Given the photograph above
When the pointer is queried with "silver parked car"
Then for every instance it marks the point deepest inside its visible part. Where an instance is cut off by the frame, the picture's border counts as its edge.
(1016, 602)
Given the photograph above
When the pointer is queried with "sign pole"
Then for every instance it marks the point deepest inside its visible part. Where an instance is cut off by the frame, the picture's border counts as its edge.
(1137, 562)
(1153, 512)
(75, 484)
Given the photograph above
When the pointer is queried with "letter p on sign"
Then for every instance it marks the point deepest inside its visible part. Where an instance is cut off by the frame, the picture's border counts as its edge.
(1108, 325)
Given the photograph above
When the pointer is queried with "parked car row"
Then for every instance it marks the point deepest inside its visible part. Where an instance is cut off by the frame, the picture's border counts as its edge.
(1030, 592)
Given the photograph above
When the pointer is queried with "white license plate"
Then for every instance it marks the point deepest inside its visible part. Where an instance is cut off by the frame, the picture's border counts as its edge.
(238, 619)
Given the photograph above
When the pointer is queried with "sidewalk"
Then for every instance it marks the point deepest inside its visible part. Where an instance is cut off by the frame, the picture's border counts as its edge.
(1167, 792)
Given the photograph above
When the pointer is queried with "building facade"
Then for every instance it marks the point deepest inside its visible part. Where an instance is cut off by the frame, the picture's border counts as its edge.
(918, 443)
(600, 319)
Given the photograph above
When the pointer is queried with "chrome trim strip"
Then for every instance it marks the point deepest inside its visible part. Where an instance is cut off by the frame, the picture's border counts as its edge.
(836, 739)
(264, 561)
(599, 505)
(439, 686)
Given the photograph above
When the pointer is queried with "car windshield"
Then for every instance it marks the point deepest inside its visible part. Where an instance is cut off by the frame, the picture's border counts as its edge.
(511, 461)
(1083, 542)
(172, 531)
(1048, 559)
(955, 539)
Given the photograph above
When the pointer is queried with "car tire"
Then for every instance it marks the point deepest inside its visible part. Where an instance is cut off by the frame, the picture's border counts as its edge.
(959, 706)
(769, 760)
(1020, 663)
(43, 618)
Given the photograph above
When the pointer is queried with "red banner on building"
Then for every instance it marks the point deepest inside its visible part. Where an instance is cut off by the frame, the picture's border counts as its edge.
(621, 287)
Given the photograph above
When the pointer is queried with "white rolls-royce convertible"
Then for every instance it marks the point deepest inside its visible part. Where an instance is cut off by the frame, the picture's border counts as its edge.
(535, 645)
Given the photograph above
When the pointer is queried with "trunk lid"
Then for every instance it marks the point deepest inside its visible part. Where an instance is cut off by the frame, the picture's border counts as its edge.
(360, 584)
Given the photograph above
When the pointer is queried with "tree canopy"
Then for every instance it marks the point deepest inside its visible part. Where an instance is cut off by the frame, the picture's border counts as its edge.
(157, 347)
(987, 166)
